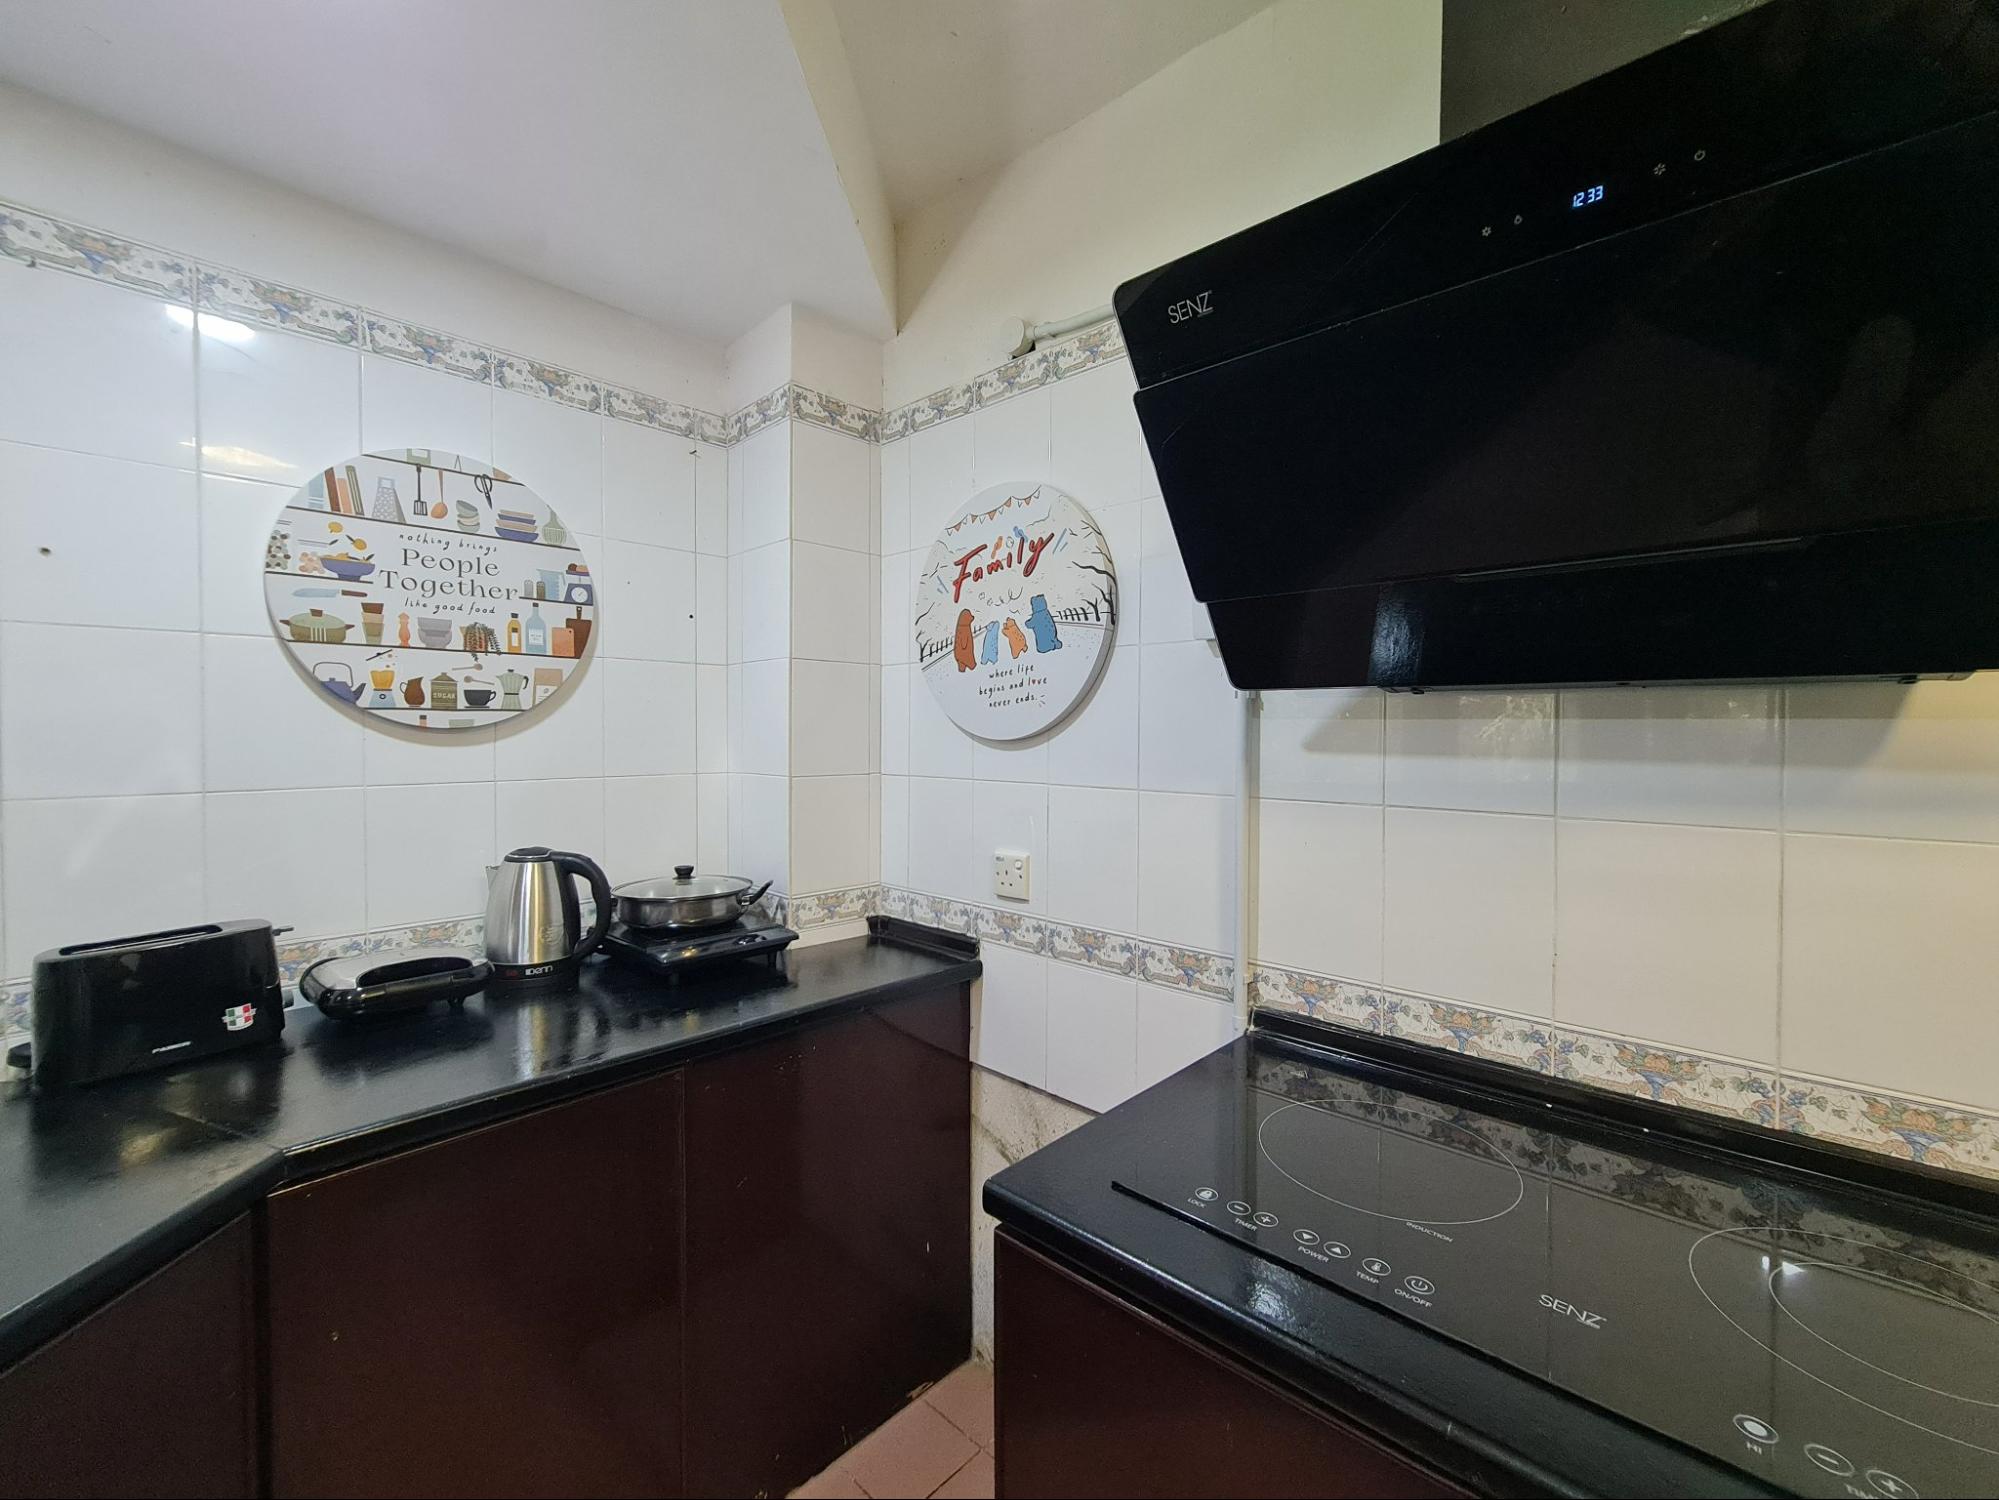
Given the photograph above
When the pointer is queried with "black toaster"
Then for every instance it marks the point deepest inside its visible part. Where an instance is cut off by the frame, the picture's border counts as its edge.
(105, 1009)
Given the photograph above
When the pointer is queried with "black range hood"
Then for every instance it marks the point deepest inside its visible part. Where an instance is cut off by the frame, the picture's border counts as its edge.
(1690, 373)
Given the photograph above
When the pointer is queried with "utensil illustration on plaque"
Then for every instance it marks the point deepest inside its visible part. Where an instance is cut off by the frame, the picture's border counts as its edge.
(1015, 611)
(432, 572)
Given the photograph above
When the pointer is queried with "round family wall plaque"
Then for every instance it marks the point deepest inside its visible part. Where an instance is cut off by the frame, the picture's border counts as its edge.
(1015, 611)
(420, 586)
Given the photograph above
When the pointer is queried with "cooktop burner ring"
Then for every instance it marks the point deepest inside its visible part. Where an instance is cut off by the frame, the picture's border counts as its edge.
(1487, 1149)
(1693, 1271)
(1833, 1344)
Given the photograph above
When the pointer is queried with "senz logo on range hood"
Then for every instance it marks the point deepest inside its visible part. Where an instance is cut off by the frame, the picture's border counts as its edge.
(1197, 306)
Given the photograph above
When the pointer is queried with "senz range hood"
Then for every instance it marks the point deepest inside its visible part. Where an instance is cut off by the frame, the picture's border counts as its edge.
(1690, 373)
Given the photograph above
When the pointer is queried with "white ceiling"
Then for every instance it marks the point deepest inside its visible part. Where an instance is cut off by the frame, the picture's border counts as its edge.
(955, 88)
(662, 157)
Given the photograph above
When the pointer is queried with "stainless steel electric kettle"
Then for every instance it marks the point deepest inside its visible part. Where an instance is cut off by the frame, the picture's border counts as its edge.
(534, 924)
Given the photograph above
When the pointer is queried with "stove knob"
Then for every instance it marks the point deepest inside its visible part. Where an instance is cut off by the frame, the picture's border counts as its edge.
(1833, 1462)
(1887, 1484)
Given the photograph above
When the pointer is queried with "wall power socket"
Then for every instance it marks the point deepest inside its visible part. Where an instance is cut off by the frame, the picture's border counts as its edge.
(1010, 874)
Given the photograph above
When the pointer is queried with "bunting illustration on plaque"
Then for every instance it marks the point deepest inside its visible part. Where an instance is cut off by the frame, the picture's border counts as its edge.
(1015, 611)
(423, 587)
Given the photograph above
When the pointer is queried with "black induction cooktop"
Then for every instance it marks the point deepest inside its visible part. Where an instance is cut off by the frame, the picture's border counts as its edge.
(1824, 1339)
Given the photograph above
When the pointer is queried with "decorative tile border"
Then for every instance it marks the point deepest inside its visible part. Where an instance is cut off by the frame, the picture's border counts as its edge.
(248, 300)
(1098, 345)
(1190, 969)
(37, 240)
(395, 339)
(1947, 1135)
(824, 908)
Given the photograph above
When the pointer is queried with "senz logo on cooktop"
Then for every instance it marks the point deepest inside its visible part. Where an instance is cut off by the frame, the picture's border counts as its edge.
(1570, 1310)
(1196, 306)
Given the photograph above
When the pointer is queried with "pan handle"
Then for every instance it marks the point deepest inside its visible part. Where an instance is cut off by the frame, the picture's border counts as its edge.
(751, 898)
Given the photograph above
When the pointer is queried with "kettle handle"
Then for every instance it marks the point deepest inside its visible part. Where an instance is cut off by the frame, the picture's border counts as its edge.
(600, 892)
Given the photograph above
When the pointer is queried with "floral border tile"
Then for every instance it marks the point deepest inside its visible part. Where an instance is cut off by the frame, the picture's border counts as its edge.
(823, 908)
(1940, 1135)
(15, 996)
(1667, 1075)
(1112, 952)
(938, 406)
(1014, 929)
(651, 411)
(1315, 996)
(532, 378)
(822, 410)
(38, 240)
(417, 345)
(1016, 377)
(1469, 1030)
(772, 406)
(274, 305)
(1187, 969)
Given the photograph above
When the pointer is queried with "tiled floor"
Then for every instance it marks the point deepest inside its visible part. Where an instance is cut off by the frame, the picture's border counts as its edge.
(940, 1444)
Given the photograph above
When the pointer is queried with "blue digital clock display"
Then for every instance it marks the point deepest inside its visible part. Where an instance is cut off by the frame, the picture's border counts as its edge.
(1586, 197)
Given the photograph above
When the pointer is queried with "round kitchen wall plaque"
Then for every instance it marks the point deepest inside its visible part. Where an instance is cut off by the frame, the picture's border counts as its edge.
(419, 586)
(1015, 612)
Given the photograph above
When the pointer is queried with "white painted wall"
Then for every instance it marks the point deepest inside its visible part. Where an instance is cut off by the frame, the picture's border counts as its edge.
(150, 721)
(1299, 99)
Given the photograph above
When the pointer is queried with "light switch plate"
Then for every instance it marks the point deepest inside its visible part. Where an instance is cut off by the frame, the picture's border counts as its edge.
(1010, 874)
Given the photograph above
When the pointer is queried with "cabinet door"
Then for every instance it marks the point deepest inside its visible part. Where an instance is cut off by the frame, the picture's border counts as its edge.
(495, 1314)
(153, 1394)
(1094, 1397)
(828, 1238)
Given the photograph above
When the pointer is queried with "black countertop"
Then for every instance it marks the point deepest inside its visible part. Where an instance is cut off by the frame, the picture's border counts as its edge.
(1477, 1379)
(100, 1185)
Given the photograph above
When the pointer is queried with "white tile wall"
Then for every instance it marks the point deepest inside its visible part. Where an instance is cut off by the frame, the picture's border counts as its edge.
(1319, 887)
(832, 604)
(1092, 1035)
(1010, 442)
(1010, 1014)
(277, 408)
(1091, 876)
(830, 489)
(407, 406)
(1669, 933)
(1174, 1029)
(1482, 752)
(65, 565)
(1792, 876)
(148, 716)
(94, 369)
(832, 832)
(1468, 906)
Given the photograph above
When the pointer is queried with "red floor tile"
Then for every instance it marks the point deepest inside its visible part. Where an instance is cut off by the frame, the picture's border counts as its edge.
(907, 1457)
(973, 1482)
(965, 1397)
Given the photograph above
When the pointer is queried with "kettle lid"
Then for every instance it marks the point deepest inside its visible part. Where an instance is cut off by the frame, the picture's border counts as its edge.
(528, 855)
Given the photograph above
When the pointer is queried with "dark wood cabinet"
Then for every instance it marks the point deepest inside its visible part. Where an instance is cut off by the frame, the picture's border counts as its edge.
(828, 1237)
(153, 1394)
(1094, 1396)
(498, 1313)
